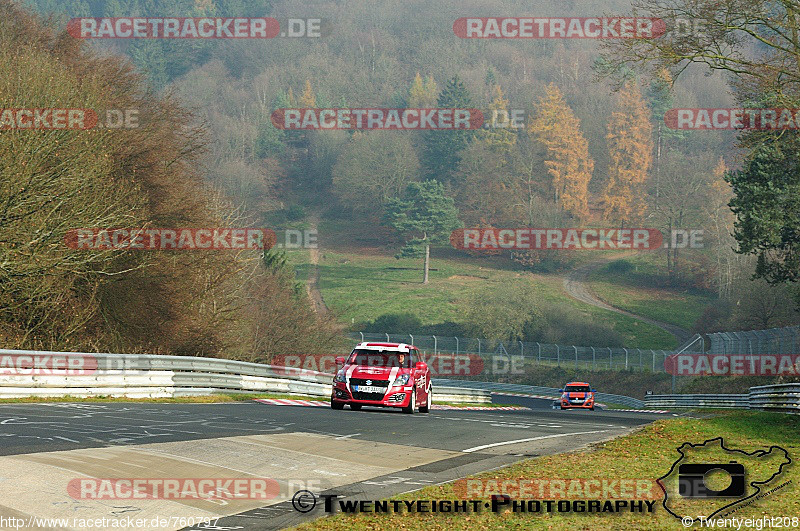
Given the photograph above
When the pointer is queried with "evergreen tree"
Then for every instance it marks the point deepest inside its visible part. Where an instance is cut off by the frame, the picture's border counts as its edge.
(148, 55)
(427, 214)
(767, 207)
(443, 148)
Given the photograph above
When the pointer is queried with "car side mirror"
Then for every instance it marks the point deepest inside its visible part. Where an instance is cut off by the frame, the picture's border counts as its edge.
(339, 360)
(560, 390)
(421, 366)
(594, 390)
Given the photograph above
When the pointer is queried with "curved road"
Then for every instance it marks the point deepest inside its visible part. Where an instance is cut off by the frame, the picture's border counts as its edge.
(368, 454)
(575, 284)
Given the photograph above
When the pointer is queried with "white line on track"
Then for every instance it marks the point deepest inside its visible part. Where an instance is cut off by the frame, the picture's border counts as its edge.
(484, 446)
(339, 438)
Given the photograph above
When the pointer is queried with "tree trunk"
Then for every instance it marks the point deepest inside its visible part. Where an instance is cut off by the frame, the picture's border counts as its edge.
(669, 251)
(427, 263)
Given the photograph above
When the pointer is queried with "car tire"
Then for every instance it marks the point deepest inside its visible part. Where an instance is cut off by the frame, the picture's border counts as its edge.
(412, 404)
(591, 408)
(355, 407)
(427, 407)
(336, 405)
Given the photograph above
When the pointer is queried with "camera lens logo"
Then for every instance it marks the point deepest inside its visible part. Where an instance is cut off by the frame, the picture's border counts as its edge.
(304, 501)
(710, 478)
(692, 480)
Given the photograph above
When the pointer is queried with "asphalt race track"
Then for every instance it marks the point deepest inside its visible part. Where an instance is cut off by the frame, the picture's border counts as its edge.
(368, 454)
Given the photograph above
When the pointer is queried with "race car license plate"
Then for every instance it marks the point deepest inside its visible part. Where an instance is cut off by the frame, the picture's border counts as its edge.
(369, 389)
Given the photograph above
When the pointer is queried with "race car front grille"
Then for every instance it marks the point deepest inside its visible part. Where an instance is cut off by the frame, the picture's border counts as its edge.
(368, 396)
(373, 383)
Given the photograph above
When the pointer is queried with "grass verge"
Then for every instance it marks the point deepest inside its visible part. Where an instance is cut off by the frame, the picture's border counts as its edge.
(648, 453)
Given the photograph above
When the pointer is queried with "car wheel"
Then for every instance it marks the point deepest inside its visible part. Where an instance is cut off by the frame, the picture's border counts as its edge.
(427, 406)
(336, 405)
(412, 404)
(591, 408)
(355, 407)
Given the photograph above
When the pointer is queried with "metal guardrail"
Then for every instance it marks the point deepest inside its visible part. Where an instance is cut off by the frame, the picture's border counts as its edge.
(536, 390)
(460, 394)
(698, 401)
(153, 376)
(780, 397)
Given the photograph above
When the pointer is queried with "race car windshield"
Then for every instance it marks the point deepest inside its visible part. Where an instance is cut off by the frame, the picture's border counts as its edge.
(578, 389)
(380, 358)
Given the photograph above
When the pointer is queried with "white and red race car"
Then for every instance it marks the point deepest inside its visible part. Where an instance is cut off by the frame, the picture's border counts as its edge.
(384, 375)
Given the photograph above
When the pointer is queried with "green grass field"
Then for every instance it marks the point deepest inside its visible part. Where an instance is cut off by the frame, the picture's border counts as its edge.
(638, 291)
(648, 453)
(360, 287)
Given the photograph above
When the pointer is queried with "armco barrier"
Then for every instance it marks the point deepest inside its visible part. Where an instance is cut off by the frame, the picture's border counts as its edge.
(697, 401)
(151, 376)
(460, 395)
(780, 397)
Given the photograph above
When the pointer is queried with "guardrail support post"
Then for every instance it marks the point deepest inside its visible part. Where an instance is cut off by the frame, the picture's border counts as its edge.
(362, 336)
(412, 338)
(387, 338)
(540, 352)
(626, 358)
(576, 356)
(479, 347)
(558, 356)
(594, 359)
(435, 346)
(522, 349)
(456, 346)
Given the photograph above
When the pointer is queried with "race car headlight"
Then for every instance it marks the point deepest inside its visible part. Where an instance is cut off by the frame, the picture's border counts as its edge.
(401, 380)
(339, 378)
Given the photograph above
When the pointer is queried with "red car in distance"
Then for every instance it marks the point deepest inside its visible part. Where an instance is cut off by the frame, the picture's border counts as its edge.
(383, 375)
(577, 395)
